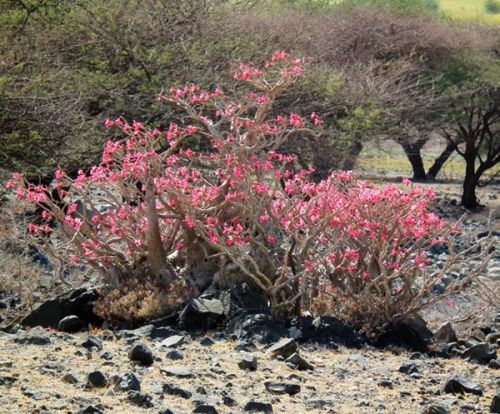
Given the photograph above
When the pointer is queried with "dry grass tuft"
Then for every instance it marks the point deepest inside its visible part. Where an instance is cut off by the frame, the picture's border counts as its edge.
(27, 275)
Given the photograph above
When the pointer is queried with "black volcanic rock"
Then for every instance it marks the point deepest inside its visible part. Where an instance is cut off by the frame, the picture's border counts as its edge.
(141, 353)
(457, 384)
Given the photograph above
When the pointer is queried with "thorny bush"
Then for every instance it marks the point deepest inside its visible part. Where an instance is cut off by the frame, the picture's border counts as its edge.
(156, 212)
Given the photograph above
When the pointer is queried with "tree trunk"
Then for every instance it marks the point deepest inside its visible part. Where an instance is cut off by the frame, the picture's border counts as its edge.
(439, 162)
(417, 164)
(469, 199)
(352, 155)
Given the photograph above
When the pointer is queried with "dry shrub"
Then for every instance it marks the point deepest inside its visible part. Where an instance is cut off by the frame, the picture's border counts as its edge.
(360, 34)
(22, 278)
(369, 61)
(138, 302)
(370, 264)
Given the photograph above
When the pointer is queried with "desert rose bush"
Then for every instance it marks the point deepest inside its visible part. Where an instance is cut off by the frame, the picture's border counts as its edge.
(156, 212)
(157, 215)
(369, 264)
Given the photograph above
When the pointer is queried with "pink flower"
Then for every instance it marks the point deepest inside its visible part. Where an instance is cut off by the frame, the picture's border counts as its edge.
(191, 129)
(271, 238)
(295, 120)
(420, 261)
(246, 72)
(188, 221)
(263, 219)
(81, 179)
(279, 55)
(315, 119)
(108, 123)
(33, 228)
(73, 222)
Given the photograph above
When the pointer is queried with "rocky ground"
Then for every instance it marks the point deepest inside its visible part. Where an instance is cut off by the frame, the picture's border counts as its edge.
(157, 370)
(482, 300)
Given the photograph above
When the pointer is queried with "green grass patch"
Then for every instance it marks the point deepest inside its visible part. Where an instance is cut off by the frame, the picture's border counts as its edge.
(478, 10)
(484, 11)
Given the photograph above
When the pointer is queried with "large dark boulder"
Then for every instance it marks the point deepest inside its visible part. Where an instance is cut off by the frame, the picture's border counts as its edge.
(78, 302)
(206, 311)
(297, 362)
(140, 399)
(250, 317)
(411, 334)
(282, 388)
(71, 324)
(445, 334)
(259, 327)
(284, 348)
(457, 384)
(127, 383)
(481, 352)
(495, 404)
(328, 331)
(35, 336)
(98, 379)
(141, 353)
(244, 298)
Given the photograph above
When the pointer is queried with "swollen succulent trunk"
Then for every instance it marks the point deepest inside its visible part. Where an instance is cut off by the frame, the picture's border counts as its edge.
(160, 268)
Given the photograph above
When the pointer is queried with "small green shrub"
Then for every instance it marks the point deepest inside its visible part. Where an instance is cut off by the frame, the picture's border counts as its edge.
(492, 6)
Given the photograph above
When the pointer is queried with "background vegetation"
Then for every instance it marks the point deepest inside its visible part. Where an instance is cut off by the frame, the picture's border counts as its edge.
(383, 69)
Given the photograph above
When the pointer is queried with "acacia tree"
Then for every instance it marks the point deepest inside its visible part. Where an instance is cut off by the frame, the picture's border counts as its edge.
(414, 103)
(396, 68)
(476, 138)
(66, 66)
